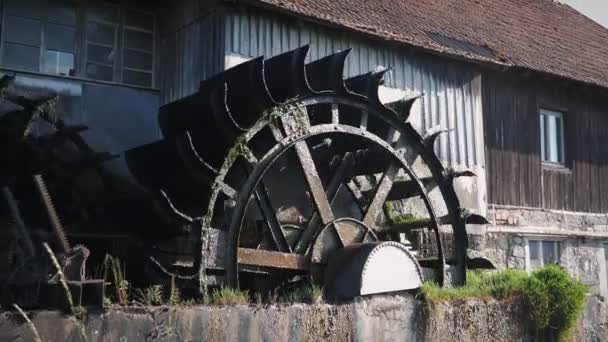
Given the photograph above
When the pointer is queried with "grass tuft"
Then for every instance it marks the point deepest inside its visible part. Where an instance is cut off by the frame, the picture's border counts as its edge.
(555, 299)
(151, 295)
(301, 293)
(228, 296)
(117, 269)
(316, 293)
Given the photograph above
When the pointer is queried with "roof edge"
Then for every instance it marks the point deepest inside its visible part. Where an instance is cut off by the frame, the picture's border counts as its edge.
(439, 51)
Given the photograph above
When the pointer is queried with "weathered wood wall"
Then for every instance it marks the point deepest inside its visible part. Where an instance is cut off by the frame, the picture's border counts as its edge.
(515, 174)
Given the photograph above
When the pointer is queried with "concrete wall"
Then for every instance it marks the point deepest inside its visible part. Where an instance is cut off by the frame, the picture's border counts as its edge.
(394, 318)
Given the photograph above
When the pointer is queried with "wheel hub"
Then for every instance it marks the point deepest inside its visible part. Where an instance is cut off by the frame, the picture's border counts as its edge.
(339, 234)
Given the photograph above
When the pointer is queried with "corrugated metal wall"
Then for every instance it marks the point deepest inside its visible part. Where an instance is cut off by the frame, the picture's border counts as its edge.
(452, 90)
(190, 48)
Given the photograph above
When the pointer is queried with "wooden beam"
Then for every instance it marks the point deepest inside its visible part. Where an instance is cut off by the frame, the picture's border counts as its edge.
(272, 259)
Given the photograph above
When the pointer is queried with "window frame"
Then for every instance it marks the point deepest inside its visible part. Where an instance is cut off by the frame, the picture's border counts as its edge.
(81, 42)
(124, 48)
(114, 46)
(42, 48)
(605, 250)
(119, 45)
(557, 249)
(543, 113)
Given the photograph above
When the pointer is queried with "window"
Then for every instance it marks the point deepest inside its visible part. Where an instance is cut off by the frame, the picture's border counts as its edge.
(102, 35)
(138, 48)
(116, 39)
(40, 36)
(552, 137)
(120, 44)
(606, 257)
(542, 253)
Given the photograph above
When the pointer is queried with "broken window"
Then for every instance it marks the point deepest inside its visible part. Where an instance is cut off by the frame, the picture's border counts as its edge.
(552, 137)
(542, 253)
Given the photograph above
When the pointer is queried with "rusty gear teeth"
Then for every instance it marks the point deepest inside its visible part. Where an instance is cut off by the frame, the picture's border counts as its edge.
(56, 224)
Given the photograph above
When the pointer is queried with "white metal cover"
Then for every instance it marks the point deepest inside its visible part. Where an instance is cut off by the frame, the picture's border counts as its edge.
(390, 267)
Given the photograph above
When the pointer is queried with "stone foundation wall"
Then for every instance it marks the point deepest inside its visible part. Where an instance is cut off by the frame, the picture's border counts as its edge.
(582, 238)
(382, 318)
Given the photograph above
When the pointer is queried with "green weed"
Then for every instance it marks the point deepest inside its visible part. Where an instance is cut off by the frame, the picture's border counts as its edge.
(555, 299)
(151, 295)
(229, 296)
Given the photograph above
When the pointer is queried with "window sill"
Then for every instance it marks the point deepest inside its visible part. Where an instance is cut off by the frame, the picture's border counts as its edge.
(75, 78)
(555, 167)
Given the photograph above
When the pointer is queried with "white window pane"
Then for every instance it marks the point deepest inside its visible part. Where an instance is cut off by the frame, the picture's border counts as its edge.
(138, 40)
(560, 139)
(534, 250)
(552, 133)
(23, 30)
(606, 257)
(21, 56)
(138, 60)
(100, 33)
(60, 38)
(100, 54)
(550, 250)
(542, 137)
(59, 63)
(61, 12)
(25, 8)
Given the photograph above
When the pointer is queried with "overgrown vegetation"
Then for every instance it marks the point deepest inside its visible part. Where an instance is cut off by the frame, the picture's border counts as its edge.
(316, 293)
(114, 267)
(555, 299)
(299, 293)
(61, 277)
(304, 293)
(400, 219)
(151, 295)
(228, 296)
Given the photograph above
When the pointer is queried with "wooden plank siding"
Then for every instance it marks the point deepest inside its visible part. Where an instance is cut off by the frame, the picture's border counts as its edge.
(190, 47)
(515, 174)
(451, 89)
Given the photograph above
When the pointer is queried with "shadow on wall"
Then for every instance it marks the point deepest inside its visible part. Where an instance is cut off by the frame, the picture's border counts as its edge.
(118, 117)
